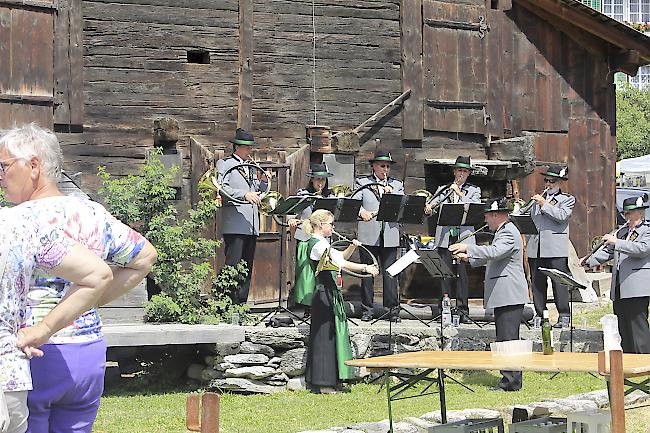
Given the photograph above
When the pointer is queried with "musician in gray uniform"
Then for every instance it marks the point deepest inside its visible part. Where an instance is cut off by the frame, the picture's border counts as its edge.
(458, 191)
(381, 238)
(506, 289)
(240, 223)
(630, 291)
(550, 248)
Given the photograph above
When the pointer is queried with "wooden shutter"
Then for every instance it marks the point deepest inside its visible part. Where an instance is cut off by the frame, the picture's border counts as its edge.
(455, 66)
(26, 62)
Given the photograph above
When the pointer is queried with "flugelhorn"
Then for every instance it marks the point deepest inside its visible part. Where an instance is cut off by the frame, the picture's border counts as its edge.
(341, 190)
(528, 206)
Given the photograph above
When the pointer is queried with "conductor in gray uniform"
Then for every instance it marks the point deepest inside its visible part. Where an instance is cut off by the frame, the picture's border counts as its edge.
(630, 249)
(506, 289)
(381, 238)
(550, 248)
(459, 191)
(240, 223)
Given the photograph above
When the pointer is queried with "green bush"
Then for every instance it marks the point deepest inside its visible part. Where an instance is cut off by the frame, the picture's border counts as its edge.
(190, 290)
(632, 122)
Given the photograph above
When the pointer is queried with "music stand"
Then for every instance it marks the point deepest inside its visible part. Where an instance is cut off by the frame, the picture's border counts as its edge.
(457, 215)
(524, 224)
(344, 209)
(563, 278)
(291, 206)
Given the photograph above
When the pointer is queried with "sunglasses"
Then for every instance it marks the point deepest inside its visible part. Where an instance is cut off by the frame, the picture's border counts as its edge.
(547, 180)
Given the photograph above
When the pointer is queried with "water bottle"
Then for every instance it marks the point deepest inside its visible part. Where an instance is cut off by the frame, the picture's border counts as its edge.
(446, 310)
(547, 335)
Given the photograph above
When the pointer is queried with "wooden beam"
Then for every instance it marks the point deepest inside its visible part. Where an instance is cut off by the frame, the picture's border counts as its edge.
(245, 92)
(589, 24)
(590, 42)
(412, 73)
(625, 61)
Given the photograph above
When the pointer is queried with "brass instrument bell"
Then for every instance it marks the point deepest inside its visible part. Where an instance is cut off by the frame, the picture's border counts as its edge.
(325, 263)
(341, 190)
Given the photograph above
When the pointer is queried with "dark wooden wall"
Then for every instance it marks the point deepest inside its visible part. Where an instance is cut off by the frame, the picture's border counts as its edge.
(527, 73)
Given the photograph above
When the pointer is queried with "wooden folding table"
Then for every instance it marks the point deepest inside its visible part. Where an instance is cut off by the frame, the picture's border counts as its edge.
(623, 366)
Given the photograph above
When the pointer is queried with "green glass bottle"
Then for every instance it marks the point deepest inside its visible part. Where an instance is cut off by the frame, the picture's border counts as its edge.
(547, 335)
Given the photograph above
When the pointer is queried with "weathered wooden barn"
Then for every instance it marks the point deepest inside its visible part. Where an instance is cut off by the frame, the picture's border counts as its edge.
(482, 74)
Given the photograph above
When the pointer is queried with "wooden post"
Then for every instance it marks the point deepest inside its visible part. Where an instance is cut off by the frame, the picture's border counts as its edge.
(209, 413)
(245, 92)
(412, 70)
(617, 391)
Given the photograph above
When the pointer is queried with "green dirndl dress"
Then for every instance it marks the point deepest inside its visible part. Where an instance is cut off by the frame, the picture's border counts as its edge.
(329, 337)
(304, 284)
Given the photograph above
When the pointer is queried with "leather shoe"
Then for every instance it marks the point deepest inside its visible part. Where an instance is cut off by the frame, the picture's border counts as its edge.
(562, 322)
(366, 316)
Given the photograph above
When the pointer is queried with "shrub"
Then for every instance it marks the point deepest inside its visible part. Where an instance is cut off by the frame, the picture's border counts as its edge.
(190, 290)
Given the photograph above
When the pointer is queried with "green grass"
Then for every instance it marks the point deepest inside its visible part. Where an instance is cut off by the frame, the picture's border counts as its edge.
(158, 410)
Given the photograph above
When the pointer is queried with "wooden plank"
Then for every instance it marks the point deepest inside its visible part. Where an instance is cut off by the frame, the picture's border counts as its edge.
(245, 91)
(5, 50)
(76, 86)
(412, 71)
(62, 63)
(496, 64)
(165, 334)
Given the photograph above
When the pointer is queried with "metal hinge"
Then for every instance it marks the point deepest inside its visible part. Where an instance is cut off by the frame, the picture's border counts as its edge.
(481, 27)
(461, 105)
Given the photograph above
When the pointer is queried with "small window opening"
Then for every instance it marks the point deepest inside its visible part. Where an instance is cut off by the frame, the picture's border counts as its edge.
(198, 56)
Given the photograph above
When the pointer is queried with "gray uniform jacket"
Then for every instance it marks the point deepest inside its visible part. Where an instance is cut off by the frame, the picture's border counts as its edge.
(369, 231)
(306, 213)
(631, 262)
(505, 282)
(242, 219)
(471, 194)
(552, 221)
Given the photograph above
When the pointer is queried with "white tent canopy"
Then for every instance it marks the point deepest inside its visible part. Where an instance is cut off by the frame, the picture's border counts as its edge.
(639, 165)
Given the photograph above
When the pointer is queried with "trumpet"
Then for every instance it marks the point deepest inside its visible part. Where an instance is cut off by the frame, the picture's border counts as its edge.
(528, 206)
(601, 243)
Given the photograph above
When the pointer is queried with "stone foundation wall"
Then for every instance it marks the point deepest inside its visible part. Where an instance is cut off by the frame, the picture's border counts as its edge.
(270, 360)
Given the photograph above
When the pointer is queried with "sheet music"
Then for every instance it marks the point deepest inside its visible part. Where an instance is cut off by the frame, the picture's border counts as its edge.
(401, 264)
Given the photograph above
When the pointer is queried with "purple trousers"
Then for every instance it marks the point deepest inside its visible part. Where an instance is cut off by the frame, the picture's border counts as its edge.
(68, 383)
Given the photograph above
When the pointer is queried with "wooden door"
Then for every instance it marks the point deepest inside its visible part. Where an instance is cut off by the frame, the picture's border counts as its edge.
(26, 62)
(455, 50)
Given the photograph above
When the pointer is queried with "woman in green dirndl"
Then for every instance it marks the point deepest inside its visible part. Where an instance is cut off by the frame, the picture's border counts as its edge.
(329, 339)
(318, 185)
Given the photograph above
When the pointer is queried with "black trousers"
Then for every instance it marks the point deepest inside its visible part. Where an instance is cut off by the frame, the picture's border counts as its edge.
(386, 256)
(507, 320)
(238, 248)
(540, 286)
(632, 314)
(461, 283)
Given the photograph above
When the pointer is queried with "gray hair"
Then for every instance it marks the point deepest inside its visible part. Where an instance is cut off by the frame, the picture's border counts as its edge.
(31, 140)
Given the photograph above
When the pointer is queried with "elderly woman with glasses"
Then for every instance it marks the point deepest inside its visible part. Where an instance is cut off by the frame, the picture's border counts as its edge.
(68, 380)
(24, 244)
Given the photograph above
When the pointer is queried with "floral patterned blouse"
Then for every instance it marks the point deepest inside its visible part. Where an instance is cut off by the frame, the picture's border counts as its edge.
(89, 224)
(24, 244)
